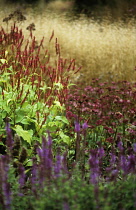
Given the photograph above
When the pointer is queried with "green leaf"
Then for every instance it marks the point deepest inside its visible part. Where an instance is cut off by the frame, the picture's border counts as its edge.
(58, 85)
(10, 68)
(3, 61)
(6, 109)
(50, 118)
(65, 138)
(57, 103)
(9, 100)
(4, 114)
(29, 163)
(1, 143)
(62, 118)
(26, 135)
(20, 114)
(25, 121)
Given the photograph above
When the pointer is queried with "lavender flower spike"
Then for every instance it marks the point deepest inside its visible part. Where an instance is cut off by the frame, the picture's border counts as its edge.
(77, 127)
(9, 140)
(21, 175)
(134, 147)
(4, 185)
(85, 126)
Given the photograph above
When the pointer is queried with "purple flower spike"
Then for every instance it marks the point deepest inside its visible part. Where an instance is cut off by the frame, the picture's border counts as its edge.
(34, 176)
(7, 194)
(101, 152)
(132, 163)
(9, 140)
(124, 164)
(94, 178)
(46, 159)
(85, 126)
(134, 147)
(77, 127)
(113, 159)
(4, 185)
(95, 162)
(40, 153)
(120, 146)
(57, 167)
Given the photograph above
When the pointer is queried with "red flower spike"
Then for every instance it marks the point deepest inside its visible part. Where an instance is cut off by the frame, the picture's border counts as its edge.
(51, 36)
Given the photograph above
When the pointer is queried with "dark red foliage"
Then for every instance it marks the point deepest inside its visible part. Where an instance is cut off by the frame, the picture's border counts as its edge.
(112, 106)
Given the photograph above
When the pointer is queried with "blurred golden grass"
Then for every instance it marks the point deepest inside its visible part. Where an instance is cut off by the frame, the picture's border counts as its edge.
(106, 50)
(60, 6)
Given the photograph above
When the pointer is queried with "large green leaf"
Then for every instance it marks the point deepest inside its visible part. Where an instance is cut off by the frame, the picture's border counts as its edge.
(65, 138)
(62, 118)
(26, 135)
(20, 115)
